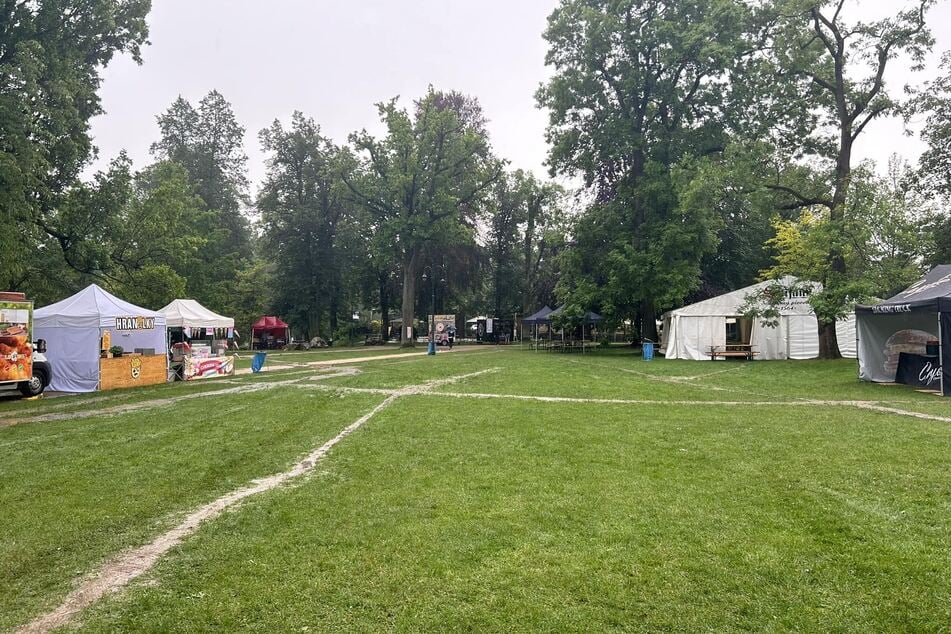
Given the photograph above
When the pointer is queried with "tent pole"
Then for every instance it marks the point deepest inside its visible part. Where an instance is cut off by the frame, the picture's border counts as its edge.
(940, 351)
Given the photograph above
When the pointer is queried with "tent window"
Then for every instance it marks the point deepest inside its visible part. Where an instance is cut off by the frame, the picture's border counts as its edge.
(738, 330)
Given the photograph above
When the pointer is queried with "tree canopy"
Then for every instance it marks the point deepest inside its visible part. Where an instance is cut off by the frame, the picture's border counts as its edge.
(702, 145)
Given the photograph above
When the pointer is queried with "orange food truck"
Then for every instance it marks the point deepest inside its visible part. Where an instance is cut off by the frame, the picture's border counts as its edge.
(23, 364)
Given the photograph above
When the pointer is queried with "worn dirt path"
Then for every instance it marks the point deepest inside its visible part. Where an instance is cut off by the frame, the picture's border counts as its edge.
(376, 357)
(244, 388)
(117, 572)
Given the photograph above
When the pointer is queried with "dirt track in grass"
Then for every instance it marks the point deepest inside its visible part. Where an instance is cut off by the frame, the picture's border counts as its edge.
(121, 570)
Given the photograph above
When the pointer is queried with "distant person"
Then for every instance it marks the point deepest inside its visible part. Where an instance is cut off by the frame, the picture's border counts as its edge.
(451, 335)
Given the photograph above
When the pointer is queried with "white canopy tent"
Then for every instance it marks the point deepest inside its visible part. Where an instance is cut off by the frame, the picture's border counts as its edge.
(73, 327)
(689, 332)
(188, 313)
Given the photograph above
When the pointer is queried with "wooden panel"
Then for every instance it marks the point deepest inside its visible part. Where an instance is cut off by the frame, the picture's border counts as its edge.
(120, 372)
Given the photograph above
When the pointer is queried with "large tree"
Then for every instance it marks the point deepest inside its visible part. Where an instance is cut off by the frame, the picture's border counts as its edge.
(423, 181)
(208, 142)
(638, 87)
(309, 224)
(838, 65)
(879, 239)
(52, 53)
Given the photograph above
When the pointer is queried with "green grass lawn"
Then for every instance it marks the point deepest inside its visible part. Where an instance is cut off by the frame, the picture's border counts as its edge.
(446, 512)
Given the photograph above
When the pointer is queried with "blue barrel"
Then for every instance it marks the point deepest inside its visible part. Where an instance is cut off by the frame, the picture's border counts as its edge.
(647, 350)
(257, 362)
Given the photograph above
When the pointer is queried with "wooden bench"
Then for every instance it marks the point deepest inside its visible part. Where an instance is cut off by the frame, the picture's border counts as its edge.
(733, 351)
(373, 340)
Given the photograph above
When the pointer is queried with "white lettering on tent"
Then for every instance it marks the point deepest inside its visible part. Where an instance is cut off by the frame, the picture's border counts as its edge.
(135, 323)
(899, 308)
(929, 374)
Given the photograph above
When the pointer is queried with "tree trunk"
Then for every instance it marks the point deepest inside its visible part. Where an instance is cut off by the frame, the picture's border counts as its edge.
(334, 308)
(384, 307)
(527, 278)
(828, 342)
(410, 264)
(648, 321)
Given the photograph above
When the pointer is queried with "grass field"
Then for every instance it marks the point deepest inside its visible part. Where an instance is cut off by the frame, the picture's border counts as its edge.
(533, 492)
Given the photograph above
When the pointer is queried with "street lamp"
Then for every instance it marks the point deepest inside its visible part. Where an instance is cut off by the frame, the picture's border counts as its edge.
(430, 272)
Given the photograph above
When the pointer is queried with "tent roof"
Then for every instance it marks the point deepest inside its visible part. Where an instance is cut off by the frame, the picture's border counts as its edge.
(269, 323)
(728, 304)
(539, 317)
(589, 316)
(181, 313)
(928, 293)
(91, 307)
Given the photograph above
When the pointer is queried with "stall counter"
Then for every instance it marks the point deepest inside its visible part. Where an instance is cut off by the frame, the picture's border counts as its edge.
(132, 370)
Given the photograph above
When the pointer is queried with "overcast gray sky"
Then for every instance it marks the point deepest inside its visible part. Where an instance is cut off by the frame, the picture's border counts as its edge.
(333, 59)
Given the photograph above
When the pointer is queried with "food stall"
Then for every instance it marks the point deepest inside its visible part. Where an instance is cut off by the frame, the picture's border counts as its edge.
(199, 340)
(269, 333)
(97, 341)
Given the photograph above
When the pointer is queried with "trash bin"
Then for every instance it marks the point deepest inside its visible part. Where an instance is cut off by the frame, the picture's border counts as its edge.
(257, 362)
(647, 350)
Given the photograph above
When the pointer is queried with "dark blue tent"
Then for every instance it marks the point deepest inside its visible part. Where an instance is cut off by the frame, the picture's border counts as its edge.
(541, 317)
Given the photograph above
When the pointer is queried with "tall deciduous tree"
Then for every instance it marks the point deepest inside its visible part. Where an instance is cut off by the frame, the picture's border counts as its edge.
(423, 182)
(839, 67)
(638, 86)
(309, 224)
(209, 143)
(51, 55)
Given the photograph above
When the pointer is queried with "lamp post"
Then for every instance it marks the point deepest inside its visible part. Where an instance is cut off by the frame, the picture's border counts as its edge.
(430, 272)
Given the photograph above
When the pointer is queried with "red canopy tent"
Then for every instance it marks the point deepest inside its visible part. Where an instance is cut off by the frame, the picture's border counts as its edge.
(271, 327)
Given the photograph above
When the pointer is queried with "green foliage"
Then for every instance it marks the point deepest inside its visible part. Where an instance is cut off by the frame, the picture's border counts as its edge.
(311, 229)
(524, 232)
(837, 63)
(423, 182)
(879, 239)
(52, 53)
(637, 109)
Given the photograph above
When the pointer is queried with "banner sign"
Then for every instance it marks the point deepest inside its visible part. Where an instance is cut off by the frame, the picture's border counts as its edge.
(207, 368)
(135, 323)
(443, 325)
(16, 348)
(919, 370)
(891, 309)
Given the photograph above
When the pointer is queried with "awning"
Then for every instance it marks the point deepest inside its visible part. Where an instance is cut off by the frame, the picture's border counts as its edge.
(931, 293)
(188, 313)
(541, 317)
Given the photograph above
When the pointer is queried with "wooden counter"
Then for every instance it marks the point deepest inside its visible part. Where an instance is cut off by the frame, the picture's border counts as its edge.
(132, 371)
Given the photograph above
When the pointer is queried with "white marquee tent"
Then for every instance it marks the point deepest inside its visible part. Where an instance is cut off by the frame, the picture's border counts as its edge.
(689, 332)
(73, 327)
(188, 313)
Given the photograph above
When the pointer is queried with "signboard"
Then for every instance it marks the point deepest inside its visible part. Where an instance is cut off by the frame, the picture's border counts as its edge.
(135, 323)
(16, 348)
(444, 325)
(919, 370)
(488, 325)
(207, 368)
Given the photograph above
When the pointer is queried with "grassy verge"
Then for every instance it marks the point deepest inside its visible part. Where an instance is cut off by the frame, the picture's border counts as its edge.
(453, 513)
(499, 516)
(74, 492)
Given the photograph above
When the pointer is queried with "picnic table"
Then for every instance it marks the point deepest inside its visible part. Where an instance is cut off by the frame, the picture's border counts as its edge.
(733, 351)
(559, 345)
